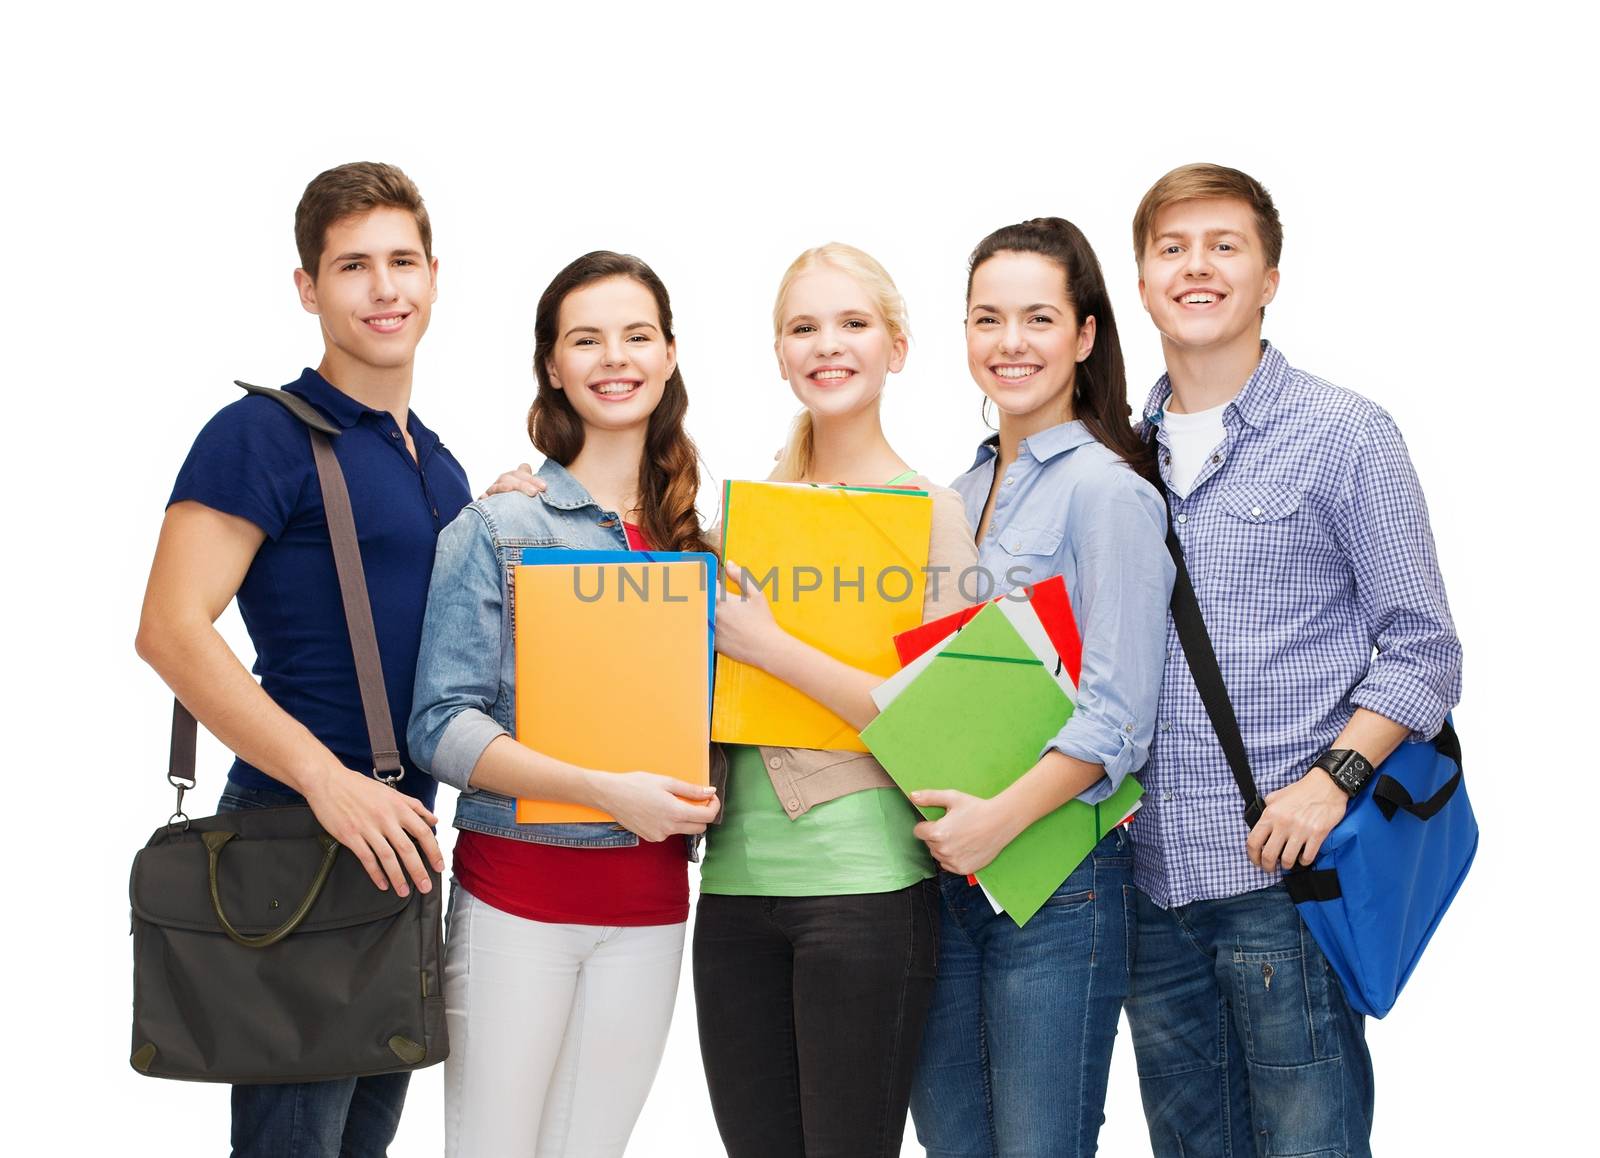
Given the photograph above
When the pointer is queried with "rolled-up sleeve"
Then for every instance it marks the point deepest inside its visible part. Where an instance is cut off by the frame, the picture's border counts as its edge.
(1382, 526)
(458, 667)
(1117, 540)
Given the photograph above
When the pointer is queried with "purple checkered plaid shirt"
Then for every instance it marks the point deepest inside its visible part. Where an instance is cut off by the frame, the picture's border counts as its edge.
(1307, 539)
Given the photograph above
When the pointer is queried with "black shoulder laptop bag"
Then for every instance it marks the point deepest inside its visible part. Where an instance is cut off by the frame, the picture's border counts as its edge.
(262, 951)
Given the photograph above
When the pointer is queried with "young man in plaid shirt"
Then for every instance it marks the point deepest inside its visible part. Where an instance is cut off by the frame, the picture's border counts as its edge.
(1306, 536)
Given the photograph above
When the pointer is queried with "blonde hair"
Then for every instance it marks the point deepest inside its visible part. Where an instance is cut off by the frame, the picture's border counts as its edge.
(795, 458)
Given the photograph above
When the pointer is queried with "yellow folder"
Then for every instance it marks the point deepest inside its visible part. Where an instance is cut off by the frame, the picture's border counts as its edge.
(843, 568)
(611, 663)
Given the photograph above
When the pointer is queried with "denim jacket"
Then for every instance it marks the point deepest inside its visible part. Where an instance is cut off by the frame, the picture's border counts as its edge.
(466, 671)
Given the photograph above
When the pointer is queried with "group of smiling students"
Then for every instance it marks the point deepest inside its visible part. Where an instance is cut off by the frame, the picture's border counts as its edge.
(844, 969)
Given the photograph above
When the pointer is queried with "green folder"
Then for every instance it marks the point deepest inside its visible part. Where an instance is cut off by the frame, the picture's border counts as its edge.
(975, 721)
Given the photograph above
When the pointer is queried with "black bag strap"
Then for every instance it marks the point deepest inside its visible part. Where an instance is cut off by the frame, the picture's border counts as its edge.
(1207, 675)
(357, 610)
(1390, 795)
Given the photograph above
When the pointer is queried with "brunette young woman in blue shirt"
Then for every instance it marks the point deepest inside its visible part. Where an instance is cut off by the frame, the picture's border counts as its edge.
(1018, 1044)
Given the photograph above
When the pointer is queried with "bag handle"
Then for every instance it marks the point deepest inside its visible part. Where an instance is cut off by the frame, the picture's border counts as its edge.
(1391, 797)
(215, 842)
(357, 612)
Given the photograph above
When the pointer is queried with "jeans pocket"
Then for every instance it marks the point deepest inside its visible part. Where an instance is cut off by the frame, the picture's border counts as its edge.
(1130, 925)
(231, 801)
(1283, 1007)
(1068, 902)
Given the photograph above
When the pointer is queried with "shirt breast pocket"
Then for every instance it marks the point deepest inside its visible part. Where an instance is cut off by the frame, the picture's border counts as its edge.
(1028, 554)
(1265, 527)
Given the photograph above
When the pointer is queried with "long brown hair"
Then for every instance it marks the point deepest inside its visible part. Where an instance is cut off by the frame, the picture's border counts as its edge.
(1100, 386)
(669, 469)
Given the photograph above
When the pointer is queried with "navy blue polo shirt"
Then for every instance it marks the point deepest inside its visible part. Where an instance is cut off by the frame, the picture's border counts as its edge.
(254, 460)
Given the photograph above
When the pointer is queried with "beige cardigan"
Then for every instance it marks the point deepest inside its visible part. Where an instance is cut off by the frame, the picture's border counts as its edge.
(806, 777)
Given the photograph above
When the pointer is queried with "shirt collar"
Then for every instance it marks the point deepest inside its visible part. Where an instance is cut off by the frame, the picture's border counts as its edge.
(562, 491)
(1043, 446)
(1255, 399)
(328, 398)
(345, 411)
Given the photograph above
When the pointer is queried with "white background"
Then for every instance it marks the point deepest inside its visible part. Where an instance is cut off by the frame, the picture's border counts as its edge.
(1441, 257)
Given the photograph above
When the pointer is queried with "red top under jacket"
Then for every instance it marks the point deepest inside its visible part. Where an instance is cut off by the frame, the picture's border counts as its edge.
(647, 884)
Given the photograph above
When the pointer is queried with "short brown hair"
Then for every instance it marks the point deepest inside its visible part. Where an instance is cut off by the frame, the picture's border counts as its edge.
(347, 190)
(1192, 182)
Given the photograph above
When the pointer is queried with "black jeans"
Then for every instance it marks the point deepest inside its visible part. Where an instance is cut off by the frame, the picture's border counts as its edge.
(811, 1012)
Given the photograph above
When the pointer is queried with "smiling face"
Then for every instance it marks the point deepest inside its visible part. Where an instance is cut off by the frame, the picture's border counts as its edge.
(1024, 341)
(834, 347)
(1204, 277)
(610, 358)
(374, 292)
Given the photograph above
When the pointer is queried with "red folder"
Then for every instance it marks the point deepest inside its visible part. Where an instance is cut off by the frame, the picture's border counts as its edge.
(1050, 602)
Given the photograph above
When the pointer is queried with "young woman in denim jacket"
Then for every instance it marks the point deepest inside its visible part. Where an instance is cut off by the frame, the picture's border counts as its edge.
(1018, 1044)
(814, 942)
(565, 940)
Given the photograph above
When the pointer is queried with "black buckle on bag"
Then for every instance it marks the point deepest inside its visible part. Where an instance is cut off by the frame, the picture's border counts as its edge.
(1253, 811)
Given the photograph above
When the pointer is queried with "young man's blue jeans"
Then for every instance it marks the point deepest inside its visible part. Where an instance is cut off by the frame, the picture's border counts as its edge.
(1244, 1040)
(1018, 1044)
(346, 1118)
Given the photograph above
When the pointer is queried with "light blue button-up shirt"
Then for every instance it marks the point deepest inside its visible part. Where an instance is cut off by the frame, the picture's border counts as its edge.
(1069, 506)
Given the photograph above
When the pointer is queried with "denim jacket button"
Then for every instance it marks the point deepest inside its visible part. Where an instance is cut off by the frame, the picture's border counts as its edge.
(794, 806)
(775, 762)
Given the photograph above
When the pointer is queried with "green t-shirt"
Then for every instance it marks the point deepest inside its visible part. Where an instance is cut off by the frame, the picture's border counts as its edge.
(859, 843)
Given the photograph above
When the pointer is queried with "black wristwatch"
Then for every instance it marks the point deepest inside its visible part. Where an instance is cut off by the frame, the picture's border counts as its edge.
(1349, 768)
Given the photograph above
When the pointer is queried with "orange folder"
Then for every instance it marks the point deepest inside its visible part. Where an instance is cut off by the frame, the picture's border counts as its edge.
(615, 682)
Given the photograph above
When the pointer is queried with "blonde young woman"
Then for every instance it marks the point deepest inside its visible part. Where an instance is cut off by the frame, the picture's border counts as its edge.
(816, 933)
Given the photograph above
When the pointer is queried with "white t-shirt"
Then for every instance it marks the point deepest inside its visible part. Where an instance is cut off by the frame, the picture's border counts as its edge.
(1191, 438)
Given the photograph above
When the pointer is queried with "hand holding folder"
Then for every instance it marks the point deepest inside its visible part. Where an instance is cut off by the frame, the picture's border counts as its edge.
(974, 717)
(843, 569)
(613, 664)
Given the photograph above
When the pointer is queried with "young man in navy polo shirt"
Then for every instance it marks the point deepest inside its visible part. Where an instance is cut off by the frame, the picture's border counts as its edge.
(1306, 536)
(246, 520)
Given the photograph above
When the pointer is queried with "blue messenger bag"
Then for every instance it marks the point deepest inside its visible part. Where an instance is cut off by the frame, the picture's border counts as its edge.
(1386, 874)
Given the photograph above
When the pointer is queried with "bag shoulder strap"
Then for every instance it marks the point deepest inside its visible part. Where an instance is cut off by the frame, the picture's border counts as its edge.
(295, 405)
(352, 590)
(1207, 674)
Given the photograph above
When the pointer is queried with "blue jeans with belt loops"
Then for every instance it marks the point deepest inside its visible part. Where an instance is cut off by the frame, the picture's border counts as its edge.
(1017, 1049)
(1245, 1042)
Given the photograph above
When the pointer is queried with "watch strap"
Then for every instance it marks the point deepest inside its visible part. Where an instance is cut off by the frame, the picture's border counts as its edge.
(1349, 769)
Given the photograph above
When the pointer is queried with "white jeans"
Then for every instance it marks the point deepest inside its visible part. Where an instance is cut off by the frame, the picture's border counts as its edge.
(556, 1031)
